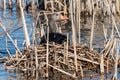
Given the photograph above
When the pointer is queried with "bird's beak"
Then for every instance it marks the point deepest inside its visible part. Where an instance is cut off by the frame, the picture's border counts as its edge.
(63, 17)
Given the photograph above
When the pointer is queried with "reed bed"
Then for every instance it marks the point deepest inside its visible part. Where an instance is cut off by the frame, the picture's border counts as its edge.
(35, 60)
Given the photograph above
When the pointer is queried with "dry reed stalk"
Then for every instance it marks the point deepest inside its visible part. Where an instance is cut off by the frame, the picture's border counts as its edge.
(110, 41)
(78, 19)
(113, 9)
(71, 75)
(10, 4)
(23, 3)
(66, 64)
(105, 33)
(59, 3)
(113, 49)
(24, 25)
(102, 67)
(114, 23)
(82, 6)
(89, 6)
(109, 47)
(107, 66)
(4, 4)
(81, 71)
(36, 62)
(55, 55)
(33, 36)
(116, 58)
(67, 48)
(92, 30)
(16, 51)
(113, 30)
(65, 7)
(64, 55)
(20, 60)
(87, 60)
(102, 64)
(106, 8)
(36, 58)
(52, 6)
(47, 53)
(117, 5)
(45, 3)
(73, 32)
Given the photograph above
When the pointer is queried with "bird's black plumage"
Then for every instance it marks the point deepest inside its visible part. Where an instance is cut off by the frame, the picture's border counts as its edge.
(54, 37)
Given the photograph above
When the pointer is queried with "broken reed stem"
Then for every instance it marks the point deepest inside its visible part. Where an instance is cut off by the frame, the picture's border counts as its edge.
(74, 34)
(102, 64)
(36, 62)
(105, 32)
(107, 66)
(33, 37)
(112, 31)
(117, 5)
(47, 53)
(64, 55)
(16, 50)
(52, 6)
(64, 72)
(36, 58)
(24, 25)
(79, 19)
(45, 3)
(116, 58)
(81, 71)
(65, 7)
(4, 2)
(92, 31)
(111, 45)
(67, 49)
(10, 4)
(114, 24)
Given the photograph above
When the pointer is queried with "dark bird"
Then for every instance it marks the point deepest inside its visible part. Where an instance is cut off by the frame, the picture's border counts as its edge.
(54, 35)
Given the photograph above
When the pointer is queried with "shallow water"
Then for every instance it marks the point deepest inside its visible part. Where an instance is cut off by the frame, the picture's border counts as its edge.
(13, 24)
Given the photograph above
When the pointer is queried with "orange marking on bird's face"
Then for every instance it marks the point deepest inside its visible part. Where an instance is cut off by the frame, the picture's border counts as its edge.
(63, 17)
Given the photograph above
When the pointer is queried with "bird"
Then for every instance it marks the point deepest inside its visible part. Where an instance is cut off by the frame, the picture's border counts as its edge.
(52, 22)
(54, 34)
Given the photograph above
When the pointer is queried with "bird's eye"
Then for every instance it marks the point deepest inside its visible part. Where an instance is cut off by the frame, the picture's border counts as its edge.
(56, 14)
